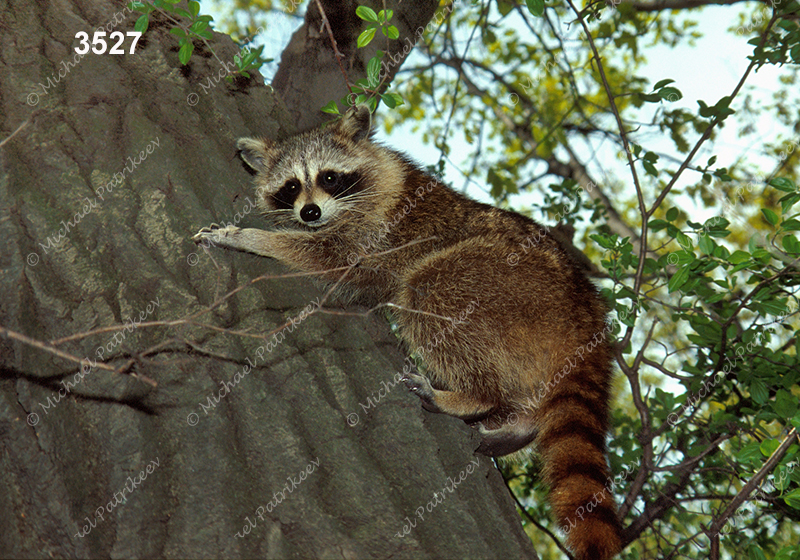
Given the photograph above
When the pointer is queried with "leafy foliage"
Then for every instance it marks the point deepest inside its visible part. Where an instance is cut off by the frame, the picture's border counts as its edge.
(372, 88)
(190, 26)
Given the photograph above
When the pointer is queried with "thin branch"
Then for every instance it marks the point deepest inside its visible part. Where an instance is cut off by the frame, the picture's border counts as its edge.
(754, 482)
(4, 332)
(690, 462)
(707, 133)
(538, 525)
(48, 348)
(663, 5)
(20, 127)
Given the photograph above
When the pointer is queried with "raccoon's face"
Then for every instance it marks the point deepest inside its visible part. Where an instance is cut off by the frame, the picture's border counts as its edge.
(313, 178)
(313, 184)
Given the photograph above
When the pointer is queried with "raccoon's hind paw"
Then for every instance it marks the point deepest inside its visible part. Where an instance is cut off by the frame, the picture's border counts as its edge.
(214, 233)
(506, 439)
(420, 386)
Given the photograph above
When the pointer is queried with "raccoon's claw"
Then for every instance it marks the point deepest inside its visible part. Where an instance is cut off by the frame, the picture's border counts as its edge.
(214, 233)
(420, 386)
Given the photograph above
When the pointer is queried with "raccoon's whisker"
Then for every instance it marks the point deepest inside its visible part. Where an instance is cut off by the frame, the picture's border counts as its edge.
(353, 185)
(362, 194)
(359, 197)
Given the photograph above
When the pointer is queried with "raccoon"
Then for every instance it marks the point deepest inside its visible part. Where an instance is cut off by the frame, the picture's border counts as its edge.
(511, 331)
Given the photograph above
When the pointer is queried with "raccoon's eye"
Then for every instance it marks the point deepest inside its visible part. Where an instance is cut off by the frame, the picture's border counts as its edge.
(291, 186)
(329, 177)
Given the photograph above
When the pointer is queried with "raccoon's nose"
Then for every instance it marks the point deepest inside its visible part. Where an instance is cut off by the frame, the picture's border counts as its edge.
(310, 213)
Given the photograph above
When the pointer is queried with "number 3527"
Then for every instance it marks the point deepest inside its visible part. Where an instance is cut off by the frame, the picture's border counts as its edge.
(99, 45)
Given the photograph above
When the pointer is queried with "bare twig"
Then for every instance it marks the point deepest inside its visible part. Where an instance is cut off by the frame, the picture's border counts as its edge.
(535, 523)
(20, 127)
(754, 482)
(44, 346)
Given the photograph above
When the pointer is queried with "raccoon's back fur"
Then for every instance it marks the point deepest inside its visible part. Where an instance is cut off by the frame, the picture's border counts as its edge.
(512, 332)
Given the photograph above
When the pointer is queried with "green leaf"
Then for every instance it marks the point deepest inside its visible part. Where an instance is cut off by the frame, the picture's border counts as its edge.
(788, 201)
(716, 226)
(141, 24)
(657, 225)
(791, 244)
(331, 108)
(662, 83)
(670, 94)
(754, 552)
(795, 52)
(750, 452)
(194, 8)
(792, 499)
(186, 52)
(785, 405)
(365, 37)
(759, 392)
(374, 71)
(392, 100)
(388, 101)
(198, 26)
(738, 257)
(790, 225)
(672, 214)
(771, 216)
(684, 258)
(605, 241)
(650, 168)
(385, 15)
(178, 31)
(768, 446)
(536, 7)
(504, 7)
(706, 245)
(678, 279)
(392, 32)
(783, 184)
(684, 241)
(367, 14)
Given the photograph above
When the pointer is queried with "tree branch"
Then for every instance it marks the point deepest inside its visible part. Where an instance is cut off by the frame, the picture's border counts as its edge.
(662, 5)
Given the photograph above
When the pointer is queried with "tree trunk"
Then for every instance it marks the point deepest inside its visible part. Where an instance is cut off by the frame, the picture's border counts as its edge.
(106, 170)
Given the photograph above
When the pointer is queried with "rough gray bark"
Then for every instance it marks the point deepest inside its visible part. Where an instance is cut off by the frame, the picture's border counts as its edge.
(128, 255)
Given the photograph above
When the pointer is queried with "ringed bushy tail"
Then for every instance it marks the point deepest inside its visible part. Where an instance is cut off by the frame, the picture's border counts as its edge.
(571, 440)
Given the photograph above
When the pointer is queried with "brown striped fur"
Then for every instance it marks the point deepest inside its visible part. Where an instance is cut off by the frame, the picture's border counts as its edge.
(514, 345)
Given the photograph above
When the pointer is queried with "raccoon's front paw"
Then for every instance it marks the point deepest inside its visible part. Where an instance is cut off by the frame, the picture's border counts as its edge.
(423, 389)
(215, 234)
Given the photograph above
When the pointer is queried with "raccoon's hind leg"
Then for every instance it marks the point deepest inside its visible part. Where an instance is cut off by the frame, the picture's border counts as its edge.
(460, 405)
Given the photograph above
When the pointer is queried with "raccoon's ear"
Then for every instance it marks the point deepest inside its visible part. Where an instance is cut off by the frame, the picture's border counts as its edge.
(256, 152)
(356, 123)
